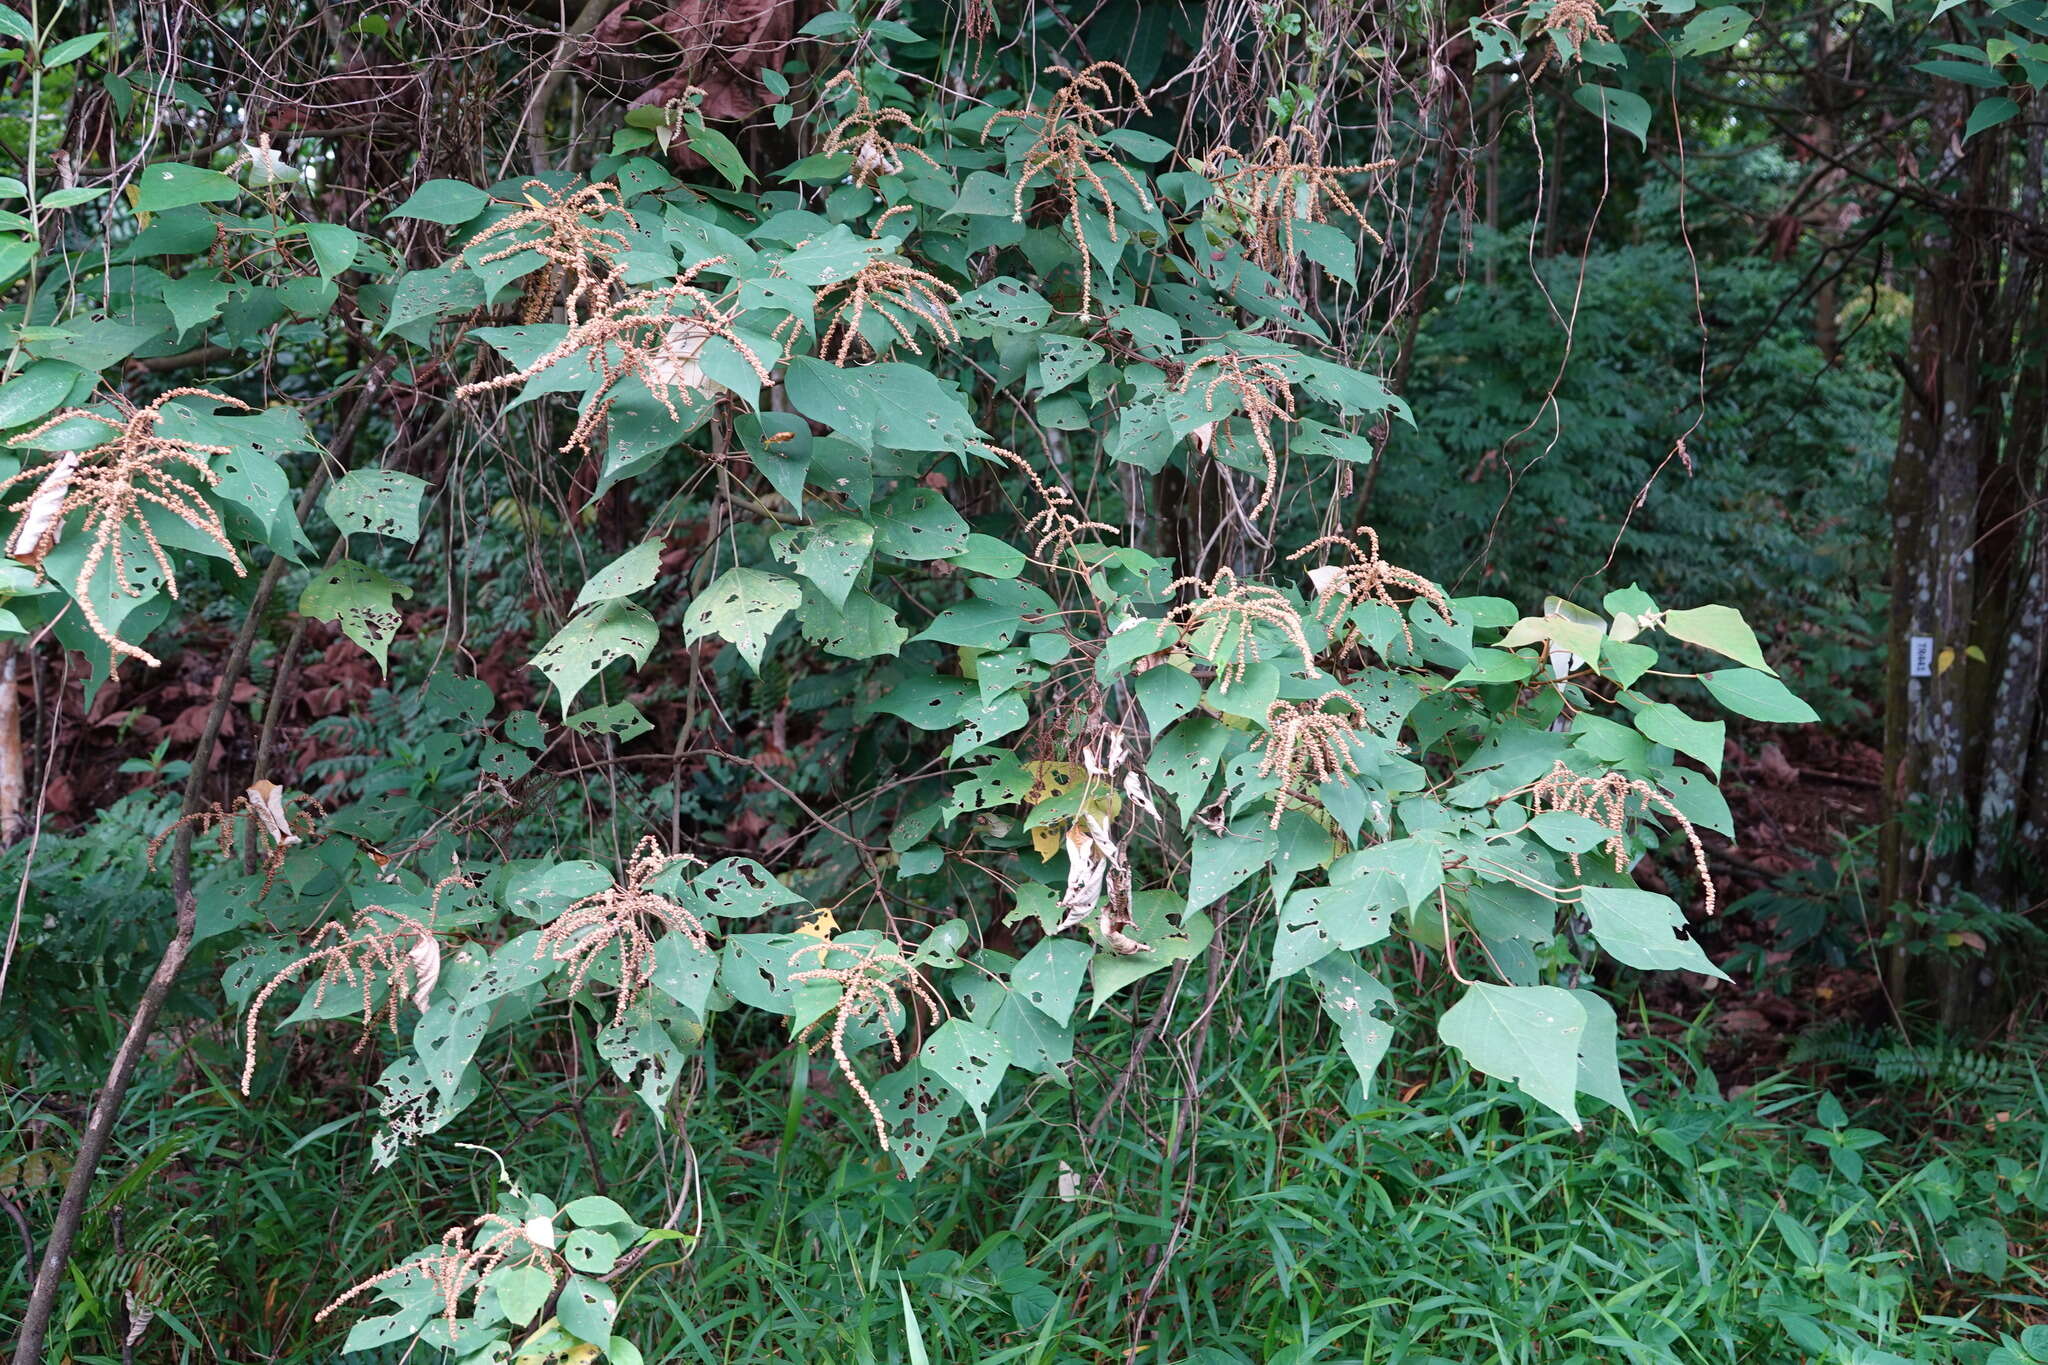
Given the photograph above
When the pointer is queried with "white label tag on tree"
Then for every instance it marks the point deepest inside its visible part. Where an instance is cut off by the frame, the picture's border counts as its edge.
(1920, 657)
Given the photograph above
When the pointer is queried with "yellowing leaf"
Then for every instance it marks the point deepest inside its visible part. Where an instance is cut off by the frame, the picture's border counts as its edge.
(1944, 661)
(821, 925)
(1046, 839)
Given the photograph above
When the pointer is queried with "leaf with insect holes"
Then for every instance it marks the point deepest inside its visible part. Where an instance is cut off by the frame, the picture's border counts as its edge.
(916, 1109)
(361, 600)
(587, 1309)
(1354, 999)
(1644, 930)
(1527, 1035)
(382, 501)
(593, 638)
(830, 553)
(969, 1059)
(743, 606)
(1623, 109)
(1050, 976)
(633, 571)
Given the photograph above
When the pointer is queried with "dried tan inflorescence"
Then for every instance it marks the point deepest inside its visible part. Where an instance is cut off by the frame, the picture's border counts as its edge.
(1068, 146)
(1273, 189)
(864, 135)
(1264, 395)
(1340, 588)
(893, 290)
(398, 953)
(1605, 801)
(657, 335)
(629, 916)
(1228, 611)
(284, 821)
(114, 485)
(454, 1268)
(1060, 521)
(868, 986)
(1303, 741)
(573, 241)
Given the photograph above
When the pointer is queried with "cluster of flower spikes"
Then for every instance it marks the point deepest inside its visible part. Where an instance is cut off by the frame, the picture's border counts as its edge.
(1342, 588)
(1060, 520)
(1605, 801)
(655, 335)
(399, 954)
(573, 240)
(1264, 395)
(863, 134)
(1232, 610)
(1304, 741)
(456, 1268)
(1066, 148)
(1274, 188)
(868, 986)
(114, 485)
(628, 916)
(893, 290)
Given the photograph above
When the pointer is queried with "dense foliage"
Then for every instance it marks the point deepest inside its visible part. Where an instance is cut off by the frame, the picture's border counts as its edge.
(785, 655)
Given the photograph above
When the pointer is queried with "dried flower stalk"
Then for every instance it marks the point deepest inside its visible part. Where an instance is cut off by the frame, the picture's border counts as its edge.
(1264, 395)
(113, 485)
(1341, 588)
(1304, 741)
(868, 985)
(1068, 145)
(1274, 189)
(1228, 606)
(629, 916)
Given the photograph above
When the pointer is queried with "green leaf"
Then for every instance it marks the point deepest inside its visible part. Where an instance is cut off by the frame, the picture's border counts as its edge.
(1527, 1035)
(521, 1291)
(1353, 998)
(37, 391)
(194, 299)
(1720, 629)
(830, 553)
(361, 600)
(71, 49)
(170, 186)
(1758, 696)
(717, 149)
(587, 1309)
(1643, 930)
(1712, 31)
(1050, 976)
(1700, 739)
(382, 501)
(633, 571)
(334, 247)
(969, 1060)
(15, 25)
(916, 522)
(1599, 1066)
(1224, 859)
(1626, 111)
(593, 638)
(72, 197)
(743, 606)
(443, 201)
(1989, 113)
